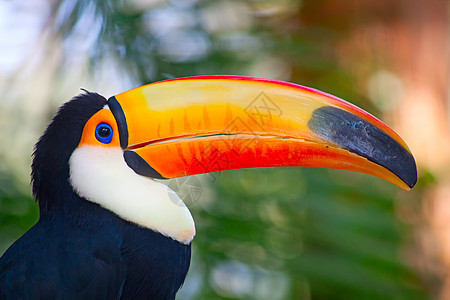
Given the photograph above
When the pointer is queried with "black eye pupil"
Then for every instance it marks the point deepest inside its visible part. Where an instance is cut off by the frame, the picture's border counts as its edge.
(104, 132)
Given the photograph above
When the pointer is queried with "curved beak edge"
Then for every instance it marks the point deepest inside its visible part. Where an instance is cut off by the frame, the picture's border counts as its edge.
(207, 124)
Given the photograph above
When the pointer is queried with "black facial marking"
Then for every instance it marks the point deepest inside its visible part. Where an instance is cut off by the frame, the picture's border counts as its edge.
(119, 115)
(359, 136)
(140, 166)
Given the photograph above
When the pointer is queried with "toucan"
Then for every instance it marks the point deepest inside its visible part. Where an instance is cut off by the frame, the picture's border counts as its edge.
(108, 230)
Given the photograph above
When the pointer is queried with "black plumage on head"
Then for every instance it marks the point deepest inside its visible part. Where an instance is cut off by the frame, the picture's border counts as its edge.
(50, 167)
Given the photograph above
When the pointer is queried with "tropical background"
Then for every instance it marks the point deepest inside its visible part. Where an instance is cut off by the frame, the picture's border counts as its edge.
(285, 233)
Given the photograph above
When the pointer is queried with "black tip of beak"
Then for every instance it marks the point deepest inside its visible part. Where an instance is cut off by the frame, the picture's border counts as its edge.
(361, 137)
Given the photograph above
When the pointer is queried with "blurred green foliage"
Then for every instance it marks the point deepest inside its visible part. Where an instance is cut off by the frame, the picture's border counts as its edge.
(290, 233)
(332, 238)
(18, 212)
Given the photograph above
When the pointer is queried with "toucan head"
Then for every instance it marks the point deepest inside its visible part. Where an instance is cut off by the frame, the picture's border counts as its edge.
(110, 150)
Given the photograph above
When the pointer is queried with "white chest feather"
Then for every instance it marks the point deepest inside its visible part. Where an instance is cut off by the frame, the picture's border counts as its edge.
(100, 175)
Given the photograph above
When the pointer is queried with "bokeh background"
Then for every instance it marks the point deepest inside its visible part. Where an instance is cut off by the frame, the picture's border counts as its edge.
(286, 233)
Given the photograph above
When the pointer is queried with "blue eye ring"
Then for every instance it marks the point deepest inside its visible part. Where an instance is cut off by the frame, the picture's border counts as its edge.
(104, 133)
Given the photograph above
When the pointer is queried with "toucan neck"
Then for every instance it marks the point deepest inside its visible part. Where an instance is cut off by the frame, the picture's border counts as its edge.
(65, 203)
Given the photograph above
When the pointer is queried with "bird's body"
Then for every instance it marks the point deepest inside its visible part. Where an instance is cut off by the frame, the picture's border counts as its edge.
(92, 254)
(107, 230)
(50, 263)
(78, 249)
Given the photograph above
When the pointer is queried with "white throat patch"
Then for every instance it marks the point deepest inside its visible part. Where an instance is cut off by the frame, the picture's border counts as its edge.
(101, 175)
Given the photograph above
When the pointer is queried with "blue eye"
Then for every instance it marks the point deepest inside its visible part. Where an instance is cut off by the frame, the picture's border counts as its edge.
(104, 133)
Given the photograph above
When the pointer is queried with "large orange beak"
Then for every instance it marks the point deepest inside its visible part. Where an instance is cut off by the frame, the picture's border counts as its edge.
(207, 124)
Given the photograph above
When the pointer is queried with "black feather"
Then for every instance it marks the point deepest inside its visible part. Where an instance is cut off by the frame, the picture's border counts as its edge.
(50, 167)
(77, 249)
